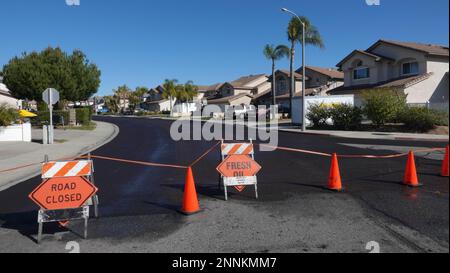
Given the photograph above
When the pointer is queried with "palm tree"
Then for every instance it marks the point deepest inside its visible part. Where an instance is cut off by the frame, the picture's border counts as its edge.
(275, 53)
(111, 104)
(295, 35)
(170, 91)
(186, 92)
(136, 97)
(122, 94)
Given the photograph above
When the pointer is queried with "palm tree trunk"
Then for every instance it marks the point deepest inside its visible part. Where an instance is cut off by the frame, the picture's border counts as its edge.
(292, 91)
(274, 91)
(171, 107)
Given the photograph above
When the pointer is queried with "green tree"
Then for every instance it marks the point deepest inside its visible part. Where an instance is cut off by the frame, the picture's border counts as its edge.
(72, 75)
(274, 54)
(136, 97)
(121, 95)
(112, 104)
(170, 91)
(295, 35)
(186, 92)
(8, 115)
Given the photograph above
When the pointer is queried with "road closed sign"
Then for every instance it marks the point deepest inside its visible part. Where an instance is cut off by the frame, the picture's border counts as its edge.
(63, 193)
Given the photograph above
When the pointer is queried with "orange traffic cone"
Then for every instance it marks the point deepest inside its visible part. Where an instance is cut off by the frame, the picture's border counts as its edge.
(334, 181)
(410, 178)
(190, 200)
(444, 171)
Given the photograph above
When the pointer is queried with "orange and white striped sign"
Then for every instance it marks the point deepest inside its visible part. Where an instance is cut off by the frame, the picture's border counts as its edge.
(66, 169)
(237, 149)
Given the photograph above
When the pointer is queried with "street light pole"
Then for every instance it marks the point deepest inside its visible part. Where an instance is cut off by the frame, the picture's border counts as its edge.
(303, 68)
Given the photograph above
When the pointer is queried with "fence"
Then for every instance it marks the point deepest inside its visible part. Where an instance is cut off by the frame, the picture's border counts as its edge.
(440, 106)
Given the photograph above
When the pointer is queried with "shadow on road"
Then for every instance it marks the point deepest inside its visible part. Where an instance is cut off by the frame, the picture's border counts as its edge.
(26, 224)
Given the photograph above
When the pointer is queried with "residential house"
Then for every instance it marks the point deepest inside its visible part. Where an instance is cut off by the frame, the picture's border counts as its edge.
(240, 92)
(282, 87)
(250, 85)
(231, 101)
(209, 91)
(155, 101)
(6, 97)
(419, 70)
(322, 79)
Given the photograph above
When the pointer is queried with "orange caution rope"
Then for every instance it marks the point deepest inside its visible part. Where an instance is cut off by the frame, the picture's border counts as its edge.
(205, 154)
(295, 150)
(138, 162)
(353, 156)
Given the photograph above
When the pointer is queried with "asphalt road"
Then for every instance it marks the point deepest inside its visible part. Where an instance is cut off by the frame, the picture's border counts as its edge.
(139, 205)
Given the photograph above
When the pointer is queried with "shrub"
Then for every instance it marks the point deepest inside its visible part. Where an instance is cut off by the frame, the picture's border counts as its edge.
(441, 117)
(8, 115)
(383, 105)
(318, 114)
(43, 118)
(83, 115)
(346, 116)
(419, 119)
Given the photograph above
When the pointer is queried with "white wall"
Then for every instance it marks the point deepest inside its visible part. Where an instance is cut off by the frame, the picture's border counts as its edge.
(297, 109)
(434, 89)
(9, 100)
(20, 132)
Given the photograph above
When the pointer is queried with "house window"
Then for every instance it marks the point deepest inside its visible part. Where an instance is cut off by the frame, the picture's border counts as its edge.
(361, 73)
(281, 86)
(410, 68)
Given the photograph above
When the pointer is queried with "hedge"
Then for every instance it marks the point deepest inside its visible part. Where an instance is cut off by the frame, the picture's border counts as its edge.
(84, 115)
(43, 118)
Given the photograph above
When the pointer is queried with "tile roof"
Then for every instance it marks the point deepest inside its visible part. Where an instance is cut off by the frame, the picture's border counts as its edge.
(377, 57)
(243, 81)
(227, 99)
(298, 76)
(206, 88)
(330, 72)
(402, 82)
(431, 49)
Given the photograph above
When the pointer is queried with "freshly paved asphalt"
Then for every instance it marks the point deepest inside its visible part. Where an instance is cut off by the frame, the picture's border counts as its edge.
(129, 192)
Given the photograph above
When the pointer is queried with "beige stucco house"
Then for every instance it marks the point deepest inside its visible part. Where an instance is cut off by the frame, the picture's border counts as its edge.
(249, 85)
(322, 79)
(155, 102)
(419, 70)
(230, 101)
(238, 92)
(282, 88)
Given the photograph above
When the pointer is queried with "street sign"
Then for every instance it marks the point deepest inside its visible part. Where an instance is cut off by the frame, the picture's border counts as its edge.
(50, 96)
(63, 193)
(67, 169)
(239, 166)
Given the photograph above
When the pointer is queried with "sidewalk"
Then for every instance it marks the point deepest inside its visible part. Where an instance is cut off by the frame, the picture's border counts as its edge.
(68, 143)
(370, 135)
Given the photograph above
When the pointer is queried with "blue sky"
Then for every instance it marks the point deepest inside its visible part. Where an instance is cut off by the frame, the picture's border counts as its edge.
(143, 42)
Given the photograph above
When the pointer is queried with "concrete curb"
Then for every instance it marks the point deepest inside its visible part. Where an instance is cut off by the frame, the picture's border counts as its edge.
(381, 137)
(82, 152)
